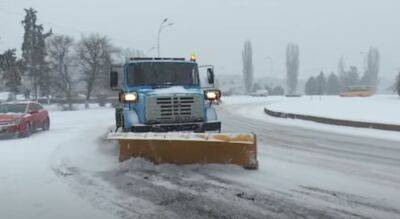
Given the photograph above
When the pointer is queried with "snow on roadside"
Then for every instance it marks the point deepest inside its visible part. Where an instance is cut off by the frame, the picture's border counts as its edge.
(31, 186)
(253, 108)
(75, 107)
(379, 108)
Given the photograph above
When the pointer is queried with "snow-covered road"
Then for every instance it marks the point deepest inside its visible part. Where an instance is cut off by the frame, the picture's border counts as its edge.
(72, 172)
(29, 187)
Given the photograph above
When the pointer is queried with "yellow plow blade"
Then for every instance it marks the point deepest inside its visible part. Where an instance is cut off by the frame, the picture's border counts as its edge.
(189, 148)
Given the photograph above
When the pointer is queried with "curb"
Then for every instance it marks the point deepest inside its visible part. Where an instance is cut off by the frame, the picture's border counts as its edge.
(330, 121)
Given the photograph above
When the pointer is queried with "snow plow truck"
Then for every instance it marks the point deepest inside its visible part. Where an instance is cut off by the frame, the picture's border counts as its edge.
(165, 116)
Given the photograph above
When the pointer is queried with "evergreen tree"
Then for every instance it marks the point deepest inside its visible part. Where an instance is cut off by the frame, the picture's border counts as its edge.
(333, 85)
(247, 58)
(342, 73)
(278, 91)
(373, 63)
(350, 78)
(398, 84)
(34, 54)
(292, 67)
(256, 87)
(353, 77)
(321, 84)
(11, 71)
(311, 86)
(269, 89)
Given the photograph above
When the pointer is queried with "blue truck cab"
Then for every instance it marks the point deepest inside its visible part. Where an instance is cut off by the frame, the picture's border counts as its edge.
(163, 95)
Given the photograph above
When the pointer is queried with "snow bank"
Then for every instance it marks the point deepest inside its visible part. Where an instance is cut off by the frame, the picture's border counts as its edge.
(253, 108)
(58, 107)
(243, 99)
(378, 109)
(4, 96)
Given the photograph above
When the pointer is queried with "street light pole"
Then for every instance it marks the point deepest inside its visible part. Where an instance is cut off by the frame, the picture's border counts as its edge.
(162, 26)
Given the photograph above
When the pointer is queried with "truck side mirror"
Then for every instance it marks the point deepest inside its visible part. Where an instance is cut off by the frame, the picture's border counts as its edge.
(113, 79)
(210, 75)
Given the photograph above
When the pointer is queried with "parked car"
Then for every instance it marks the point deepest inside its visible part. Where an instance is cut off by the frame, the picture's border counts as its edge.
(21, 119)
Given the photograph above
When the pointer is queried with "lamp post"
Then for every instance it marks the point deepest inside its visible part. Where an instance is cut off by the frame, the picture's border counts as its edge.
(163, 25)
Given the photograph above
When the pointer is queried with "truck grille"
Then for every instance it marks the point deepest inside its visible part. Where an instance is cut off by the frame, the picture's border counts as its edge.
(174, 109)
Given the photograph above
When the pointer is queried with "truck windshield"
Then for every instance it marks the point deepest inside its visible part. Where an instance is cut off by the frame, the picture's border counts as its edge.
(162, 73)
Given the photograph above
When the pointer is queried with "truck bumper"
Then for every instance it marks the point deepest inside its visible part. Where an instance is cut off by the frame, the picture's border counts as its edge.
(196, 127)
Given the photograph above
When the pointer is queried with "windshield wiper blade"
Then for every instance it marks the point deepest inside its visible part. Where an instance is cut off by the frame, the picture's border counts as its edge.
(168, 84)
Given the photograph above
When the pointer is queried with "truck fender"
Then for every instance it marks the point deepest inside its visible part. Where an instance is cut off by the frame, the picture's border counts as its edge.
(130, 118)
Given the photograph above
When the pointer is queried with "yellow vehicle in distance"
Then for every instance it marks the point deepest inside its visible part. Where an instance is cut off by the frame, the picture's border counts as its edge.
(357, 91)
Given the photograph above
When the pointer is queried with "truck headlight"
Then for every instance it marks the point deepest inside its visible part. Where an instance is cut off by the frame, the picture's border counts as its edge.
(131, 97)
(212, 95)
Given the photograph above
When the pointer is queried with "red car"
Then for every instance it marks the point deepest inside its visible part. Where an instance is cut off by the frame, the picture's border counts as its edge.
(21, 119)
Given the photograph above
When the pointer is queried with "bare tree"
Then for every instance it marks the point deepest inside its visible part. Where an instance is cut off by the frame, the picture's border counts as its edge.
(94, 54)
(292, 67)
(247, 58)
(121, 54)
(60, 57)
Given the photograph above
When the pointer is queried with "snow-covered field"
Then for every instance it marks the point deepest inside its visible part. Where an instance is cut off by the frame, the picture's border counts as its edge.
(72, 172)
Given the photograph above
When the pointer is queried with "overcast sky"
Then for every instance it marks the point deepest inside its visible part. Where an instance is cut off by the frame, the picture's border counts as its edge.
(216, 29)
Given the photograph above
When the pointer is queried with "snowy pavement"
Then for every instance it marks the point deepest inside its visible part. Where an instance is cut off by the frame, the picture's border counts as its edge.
(348, 108)
(29, 187)
(72, 172)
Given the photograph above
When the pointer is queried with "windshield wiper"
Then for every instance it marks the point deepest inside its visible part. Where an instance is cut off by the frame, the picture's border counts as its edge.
(167, 84)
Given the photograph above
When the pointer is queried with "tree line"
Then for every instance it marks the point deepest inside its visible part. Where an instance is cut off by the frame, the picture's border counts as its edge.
(55, 65)
(334, 84)
(321, 84)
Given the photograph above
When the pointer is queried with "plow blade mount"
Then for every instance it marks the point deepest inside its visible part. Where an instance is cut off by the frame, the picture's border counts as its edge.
(189, 148)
